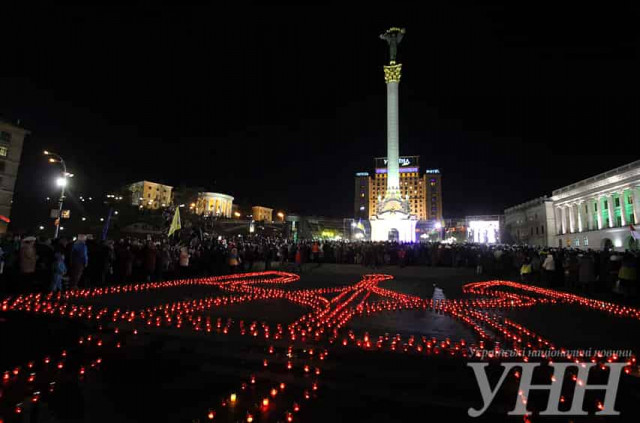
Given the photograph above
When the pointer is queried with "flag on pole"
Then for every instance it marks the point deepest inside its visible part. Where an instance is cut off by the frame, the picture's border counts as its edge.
(634, 232)
(175, 223)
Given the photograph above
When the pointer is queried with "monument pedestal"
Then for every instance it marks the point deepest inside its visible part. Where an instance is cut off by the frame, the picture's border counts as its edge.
(393, 229)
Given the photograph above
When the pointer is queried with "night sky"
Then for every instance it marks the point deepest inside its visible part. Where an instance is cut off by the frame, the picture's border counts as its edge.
(281, 106)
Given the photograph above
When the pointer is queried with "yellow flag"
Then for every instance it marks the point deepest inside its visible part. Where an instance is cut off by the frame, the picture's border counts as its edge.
(175, 223)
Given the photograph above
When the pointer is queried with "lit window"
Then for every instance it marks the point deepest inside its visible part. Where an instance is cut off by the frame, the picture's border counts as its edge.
(586, 241)
(3, 151)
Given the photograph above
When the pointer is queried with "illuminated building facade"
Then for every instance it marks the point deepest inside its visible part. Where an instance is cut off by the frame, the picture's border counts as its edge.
(598, 212)
(262, 214)
(361, 196)
(214, 204)
(595, 213)
(424, 190)
(149, 195)
(11, 140)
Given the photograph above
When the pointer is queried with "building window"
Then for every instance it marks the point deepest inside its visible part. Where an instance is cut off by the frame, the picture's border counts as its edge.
(4, 151)
(542, 229)
(577, 242)
(606, 204)
(617, 201)
(586, 241)
(5, 136)
(537, 231)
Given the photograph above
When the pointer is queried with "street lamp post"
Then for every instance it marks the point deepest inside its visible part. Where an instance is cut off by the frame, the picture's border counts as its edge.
(61, 182)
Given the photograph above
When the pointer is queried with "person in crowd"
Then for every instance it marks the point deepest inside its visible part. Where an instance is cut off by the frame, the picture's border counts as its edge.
(79, 260)
(548, 270)
(526, 270)
(28, 259)
(315, 252)
(234, 260)
(59, 272)
(149, 260)
(628, 276)
(184, 262)
(298, 259)
(586, 272)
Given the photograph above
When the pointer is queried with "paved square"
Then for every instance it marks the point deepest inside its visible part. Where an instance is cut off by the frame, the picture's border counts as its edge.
(338, 343)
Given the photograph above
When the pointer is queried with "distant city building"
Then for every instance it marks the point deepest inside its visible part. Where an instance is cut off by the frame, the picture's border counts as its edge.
(484, 229)
(11, 141)
(594, 213)
(531, 223)
(149, 195)
(214, 204)
(361, 196)
(262, 214)
(424, 190)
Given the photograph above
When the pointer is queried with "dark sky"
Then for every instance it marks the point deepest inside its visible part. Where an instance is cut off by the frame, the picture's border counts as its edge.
(280, 106)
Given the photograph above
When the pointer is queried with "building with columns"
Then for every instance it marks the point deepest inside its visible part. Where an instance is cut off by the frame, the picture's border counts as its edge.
(597, 212)
(214, 204)
(594, 213)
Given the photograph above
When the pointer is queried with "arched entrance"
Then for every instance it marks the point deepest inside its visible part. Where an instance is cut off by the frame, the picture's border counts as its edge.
(394, 235)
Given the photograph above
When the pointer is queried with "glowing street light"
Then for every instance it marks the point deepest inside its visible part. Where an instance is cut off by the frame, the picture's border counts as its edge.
(61, 182)
(281, 216)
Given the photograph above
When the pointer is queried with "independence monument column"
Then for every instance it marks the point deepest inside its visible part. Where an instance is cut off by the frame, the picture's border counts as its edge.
(392, 73)
(393, 220)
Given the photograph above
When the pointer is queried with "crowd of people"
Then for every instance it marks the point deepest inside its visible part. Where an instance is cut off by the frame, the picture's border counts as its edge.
(39, 264)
